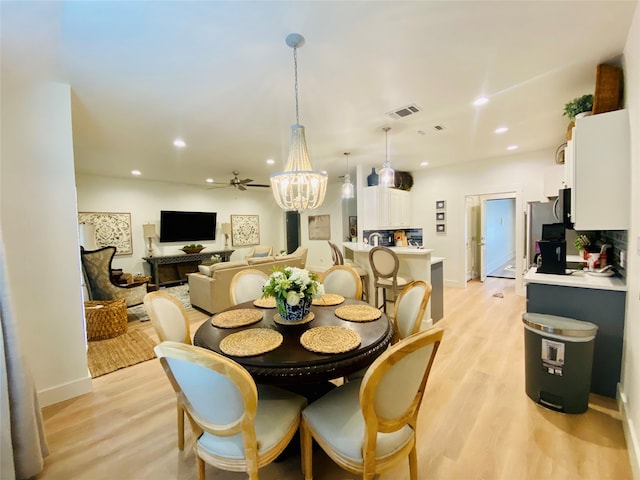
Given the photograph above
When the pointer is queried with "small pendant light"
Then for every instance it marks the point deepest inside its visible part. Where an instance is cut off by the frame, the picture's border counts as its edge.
(386, 176)
(347, 186)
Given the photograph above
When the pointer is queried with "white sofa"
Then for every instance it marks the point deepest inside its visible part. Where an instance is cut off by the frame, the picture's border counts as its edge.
(209, 288)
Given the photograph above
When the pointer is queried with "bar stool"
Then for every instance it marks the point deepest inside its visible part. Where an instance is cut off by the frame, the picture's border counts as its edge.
(385, 265)
(338, 259)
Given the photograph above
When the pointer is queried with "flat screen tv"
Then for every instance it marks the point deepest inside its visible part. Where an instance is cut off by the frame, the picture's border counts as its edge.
(178, 226)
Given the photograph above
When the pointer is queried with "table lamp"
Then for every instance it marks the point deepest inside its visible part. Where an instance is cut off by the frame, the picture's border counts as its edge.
(226, 230)
(149, 231)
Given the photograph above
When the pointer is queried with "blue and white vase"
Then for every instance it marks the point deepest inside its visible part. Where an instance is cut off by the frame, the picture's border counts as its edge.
(293, 313)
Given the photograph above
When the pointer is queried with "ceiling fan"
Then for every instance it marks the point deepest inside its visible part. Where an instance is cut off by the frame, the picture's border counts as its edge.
(241, 184)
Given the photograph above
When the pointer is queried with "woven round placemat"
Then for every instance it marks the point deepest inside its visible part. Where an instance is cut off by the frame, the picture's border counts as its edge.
(240, 317)
(278, 319)
(328, 299)
(358, 313)
(253, 341)
(330, 339)
(267, 302)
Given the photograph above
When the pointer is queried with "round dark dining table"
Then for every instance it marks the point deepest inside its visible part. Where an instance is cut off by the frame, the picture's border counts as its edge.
(291, 363)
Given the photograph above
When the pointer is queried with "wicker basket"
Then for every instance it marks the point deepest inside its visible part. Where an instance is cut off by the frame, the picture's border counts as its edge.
(105, 319)
(608, 89)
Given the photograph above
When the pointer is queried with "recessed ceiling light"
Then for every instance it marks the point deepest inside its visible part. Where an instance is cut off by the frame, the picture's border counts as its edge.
(136, 172)
(501, 129)
(209, 180)
(271, 161)
(324, 171)
(178, 142)
(512, 147)
(424, 164)
(480, 101)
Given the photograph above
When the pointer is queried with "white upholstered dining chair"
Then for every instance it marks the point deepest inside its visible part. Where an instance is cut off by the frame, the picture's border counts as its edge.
(238, 426)
(338, 259)
(170, 321)
(247, 285)
(343, 280)
(409, 308)
(367, 427)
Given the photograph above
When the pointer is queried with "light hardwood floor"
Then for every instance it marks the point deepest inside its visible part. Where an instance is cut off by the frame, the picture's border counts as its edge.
(476, 421)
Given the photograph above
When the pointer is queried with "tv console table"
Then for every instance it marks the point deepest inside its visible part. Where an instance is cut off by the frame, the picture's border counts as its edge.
(173, 269)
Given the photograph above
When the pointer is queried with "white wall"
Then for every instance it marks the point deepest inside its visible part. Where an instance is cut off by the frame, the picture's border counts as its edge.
(519, 173)
(39, 226)
(144, 199)
(630, 385)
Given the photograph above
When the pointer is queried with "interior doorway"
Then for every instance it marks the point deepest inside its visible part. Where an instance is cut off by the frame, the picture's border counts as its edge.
(490, 235)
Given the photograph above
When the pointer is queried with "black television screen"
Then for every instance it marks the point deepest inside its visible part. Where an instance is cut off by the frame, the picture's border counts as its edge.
(187, 226)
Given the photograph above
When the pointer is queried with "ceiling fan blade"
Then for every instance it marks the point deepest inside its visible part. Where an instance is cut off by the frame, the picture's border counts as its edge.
(241, 187)
(246, 180)
(262, 185)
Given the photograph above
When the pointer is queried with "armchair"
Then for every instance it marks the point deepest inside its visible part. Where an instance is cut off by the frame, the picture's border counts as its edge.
(260, 251)
(96, 267)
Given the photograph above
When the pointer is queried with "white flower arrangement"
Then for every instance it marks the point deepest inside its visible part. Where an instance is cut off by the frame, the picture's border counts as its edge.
(292, 284)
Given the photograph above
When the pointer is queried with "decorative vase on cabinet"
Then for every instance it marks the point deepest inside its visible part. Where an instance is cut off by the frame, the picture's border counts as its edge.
(372, 179)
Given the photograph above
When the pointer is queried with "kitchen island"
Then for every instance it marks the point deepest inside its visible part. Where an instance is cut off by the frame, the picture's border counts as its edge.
(595, 299)
(415, 263)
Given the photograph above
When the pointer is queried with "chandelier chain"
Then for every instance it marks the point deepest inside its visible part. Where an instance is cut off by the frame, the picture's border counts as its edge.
(295, 71)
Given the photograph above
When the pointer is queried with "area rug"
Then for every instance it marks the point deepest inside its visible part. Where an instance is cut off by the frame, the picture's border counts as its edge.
(106, 356)
(181, 292)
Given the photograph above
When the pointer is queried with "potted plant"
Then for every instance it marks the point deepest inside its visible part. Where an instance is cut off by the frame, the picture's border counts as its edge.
(293, 288)
(578, 105)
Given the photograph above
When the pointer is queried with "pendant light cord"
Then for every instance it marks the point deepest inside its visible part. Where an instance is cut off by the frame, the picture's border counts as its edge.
(295, 74)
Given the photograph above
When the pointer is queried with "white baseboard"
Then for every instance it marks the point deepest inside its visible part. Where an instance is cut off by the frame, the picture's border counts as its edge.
(59, 393)
(630, 435)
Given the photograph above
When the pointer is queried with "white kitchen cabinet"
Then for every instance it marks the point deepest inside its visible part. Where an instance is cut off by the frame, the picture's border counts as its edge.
(386, 208)
(553, 180)
(600, 194)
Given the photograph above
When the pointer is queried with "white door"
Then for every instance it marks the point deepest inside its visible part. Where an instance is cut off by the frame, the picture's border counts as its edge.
(470, 240)
(483, 238)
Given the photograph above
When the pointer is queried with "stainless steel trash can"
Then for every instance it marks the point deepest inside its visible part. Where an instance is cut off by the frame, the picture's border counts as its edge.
(558, 359)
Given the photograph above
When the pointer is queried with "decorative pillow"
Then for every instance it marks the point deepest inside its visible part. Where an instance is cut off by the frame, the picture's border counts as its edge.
(225, 265)
(254, 260)
(265, 254)
(205, 270)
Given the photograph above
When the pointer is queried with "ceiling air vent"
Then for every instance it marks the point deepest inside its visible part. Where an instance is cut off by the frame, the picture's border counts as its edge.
(404, 111)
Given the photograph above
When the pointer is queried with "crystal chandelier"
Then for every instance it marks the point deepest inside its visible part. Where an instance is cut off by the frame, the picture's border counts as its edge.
(298, 188)
(386, 177)
(347, 186)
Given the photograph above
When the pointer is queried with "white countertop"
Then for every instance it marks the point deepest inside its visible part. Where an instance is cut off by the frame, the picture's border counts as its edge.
(578, 278)
(437, 260)
(363, 247)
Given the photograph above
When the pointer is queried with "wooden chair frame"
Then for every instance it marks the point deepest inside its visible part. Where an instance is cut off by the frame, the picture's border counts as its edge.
(345, 268)
(374, 423)
(389, 274)
(164, 336)
(243, 425)
(417, 320)
(237, 278)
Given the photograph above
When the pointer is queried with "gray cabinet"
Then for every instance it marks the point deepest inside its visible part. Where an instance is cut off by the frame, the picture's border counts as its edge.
(437, 291)
(605, 308)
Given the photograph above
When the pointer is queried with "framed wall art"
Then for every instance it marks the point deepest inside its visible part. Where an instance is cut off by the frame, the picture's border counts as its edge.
(245, 230)
(112, 229)
(440, 204)
(441, 228)
(319, 227)
(440, 216)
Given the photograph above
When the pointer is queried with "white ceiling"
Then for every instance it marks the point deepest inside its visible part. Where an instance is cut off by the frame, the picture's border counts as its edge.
(220, 76)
